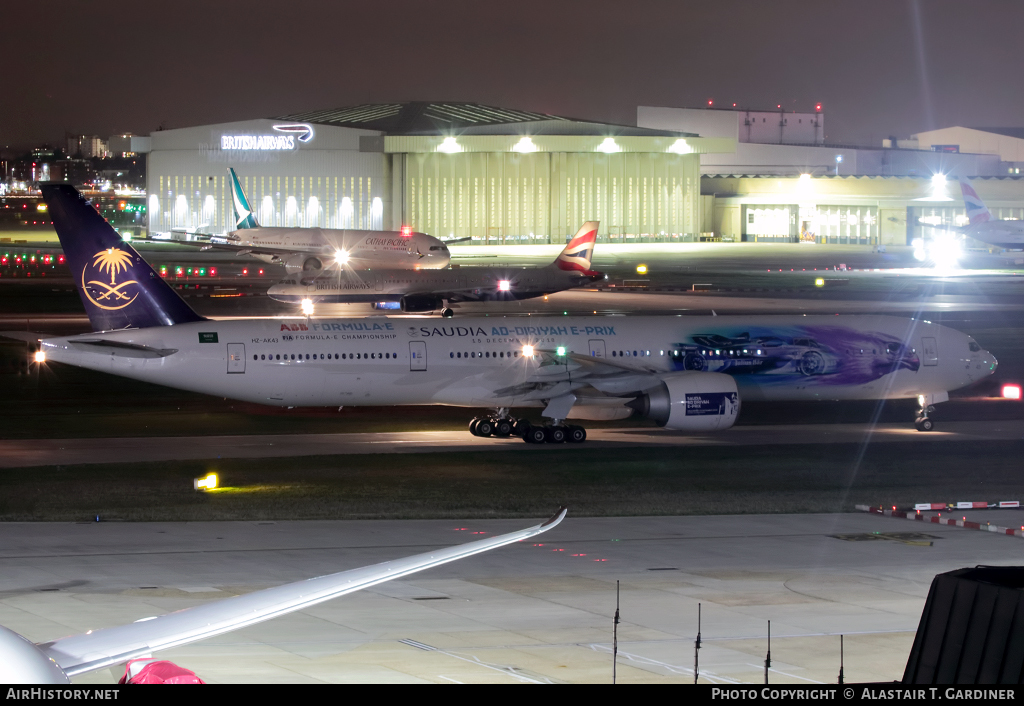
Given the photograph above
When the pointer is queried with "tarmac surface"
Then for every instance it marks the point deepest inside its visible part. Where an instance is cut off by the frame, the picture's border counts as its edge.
(534, 612)
(48, 452)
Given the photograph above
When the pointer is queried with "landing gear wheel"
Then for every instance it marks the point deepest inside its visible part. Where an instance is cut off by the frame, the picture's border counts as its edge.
(502, 428)
(535, 435)
(485, 427)
(472, 425)
(555, 435)
(576, 435)
(924, 424)
(447, 312)
(520, 427)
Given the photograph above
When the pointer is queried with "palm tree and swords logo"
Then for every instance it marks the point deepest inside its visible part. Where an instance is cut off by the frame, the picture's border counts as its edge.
(109, 296)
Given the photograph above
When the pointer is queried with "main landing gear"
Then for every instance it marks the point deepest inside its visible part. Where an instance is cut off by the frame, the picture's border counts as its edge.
(503, 427)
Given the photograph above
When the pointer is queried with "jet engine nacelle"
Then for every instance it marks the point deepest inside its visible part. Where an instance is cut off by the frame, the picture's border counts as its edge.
(415, 303)
(691, 401)
(21, 662)
(307, 264)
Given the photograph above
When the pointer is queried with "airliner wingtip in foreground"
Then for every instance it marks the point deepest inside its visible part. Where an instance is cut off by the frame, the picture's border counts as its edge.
(688, 373)
(54, 662)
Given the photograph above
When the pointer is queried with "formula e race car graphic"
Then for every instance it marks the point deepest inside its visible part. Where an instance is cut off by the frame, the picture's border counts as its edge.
(826, 355)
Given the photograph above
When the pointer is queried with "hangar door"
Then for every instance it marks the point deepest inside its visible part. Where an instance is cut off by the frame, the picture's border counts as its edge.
(417, 355)
(236, 357)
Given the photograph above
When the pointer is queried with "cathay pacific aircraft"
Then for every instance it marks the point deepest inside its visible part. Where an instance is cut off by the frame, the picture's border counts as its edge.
(686, 372)
(133, 645)
(434, 289)
(312, 250)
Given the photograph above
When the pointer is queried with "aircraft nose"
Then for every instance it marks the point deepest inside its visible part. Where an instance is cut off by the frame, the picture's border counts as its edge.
(992, 359)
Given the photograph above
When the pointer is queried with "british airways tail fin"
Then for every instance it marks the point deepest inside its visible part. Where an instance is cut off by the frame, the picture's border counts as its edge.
(977, 211)
(118, 288)
(579, 251)
(243, 211)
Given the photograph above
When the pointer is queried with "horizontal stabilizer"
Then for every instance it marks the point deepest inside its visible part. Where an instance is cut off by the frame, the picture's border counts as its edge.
(126, 350)
(26, 336)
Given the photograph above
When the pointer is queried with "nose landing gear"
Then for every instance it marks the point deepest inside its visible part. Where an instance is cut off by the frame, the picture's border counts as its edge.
(925, 406)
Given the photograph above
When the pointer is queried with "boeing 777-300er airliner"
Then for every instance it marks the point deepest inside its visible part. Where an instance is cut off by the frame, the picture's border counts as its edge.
(686, 372)
(434, 289)
(23, 662)
(312, 250)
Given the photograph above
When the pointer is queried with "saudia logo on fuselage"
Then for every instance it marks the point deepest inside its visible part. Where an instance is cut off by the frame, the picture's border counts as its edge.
(113, 295)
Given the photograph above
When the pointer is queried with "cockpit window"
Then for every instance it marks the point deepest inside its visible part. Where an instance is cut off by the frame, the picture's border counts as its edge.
(893, 348)
(974, 346)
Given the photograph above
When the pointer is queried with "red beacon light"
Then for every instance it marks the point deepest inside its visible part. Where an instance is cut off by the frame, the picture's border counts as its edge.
(817, 107)
(406, 231)
(60, 259)
(245, 270)
(213, 271)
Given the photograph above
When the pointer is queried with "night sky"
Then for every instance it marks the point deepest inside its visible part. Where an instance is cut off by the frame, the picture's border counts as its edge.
(879, 67)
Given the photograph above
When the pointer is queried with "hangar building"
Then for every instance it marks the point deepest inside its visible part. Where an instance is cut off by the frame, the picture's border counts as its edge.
(453, 170)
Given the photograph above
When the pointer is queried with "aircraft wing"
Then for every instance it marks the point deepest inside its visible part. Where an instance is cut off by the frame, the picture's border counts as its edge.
(559, 374)
(103, 648)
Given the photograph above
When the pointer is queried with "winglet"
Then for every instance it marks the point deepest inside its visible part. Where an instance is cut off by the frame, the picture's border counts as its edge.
(555, 519)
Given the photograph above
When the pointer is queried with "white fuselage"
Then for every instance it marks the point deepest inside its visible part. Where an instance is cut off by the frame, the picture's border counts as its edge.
(363, 249)
(461, 284)
(1008, 235)
(480, 361)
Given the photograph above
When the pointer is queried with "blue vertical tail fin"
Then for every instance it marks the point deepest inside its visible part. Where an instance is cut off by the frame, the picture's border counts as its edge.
(243, 211)
(118, 288)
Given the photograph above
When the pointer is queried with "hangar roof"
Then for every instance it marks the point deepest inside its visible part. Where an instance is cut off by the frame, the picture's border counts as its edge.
(423, 118)
(1017, 132)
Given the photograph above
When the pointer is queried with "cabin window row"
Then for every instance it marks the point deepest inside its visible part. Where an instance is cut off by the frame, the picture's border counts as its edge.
(325, 356)
(483, 354)
(626, 354)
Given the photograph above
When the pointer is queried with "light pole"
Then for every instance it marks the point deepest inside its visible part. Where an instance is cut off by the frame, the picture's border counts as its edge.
(839, 160)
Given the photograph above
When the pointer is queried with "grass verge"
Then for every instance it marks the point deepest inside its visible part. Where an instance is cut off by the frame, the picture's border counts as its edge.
(599, 482)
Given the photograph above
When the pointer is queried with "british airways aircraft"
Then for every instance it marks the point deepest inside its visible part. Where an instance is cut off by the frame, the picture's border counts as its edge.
(1008, 235)
(312, 250)
(687, 373)
(132, 645)
(434, 289)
